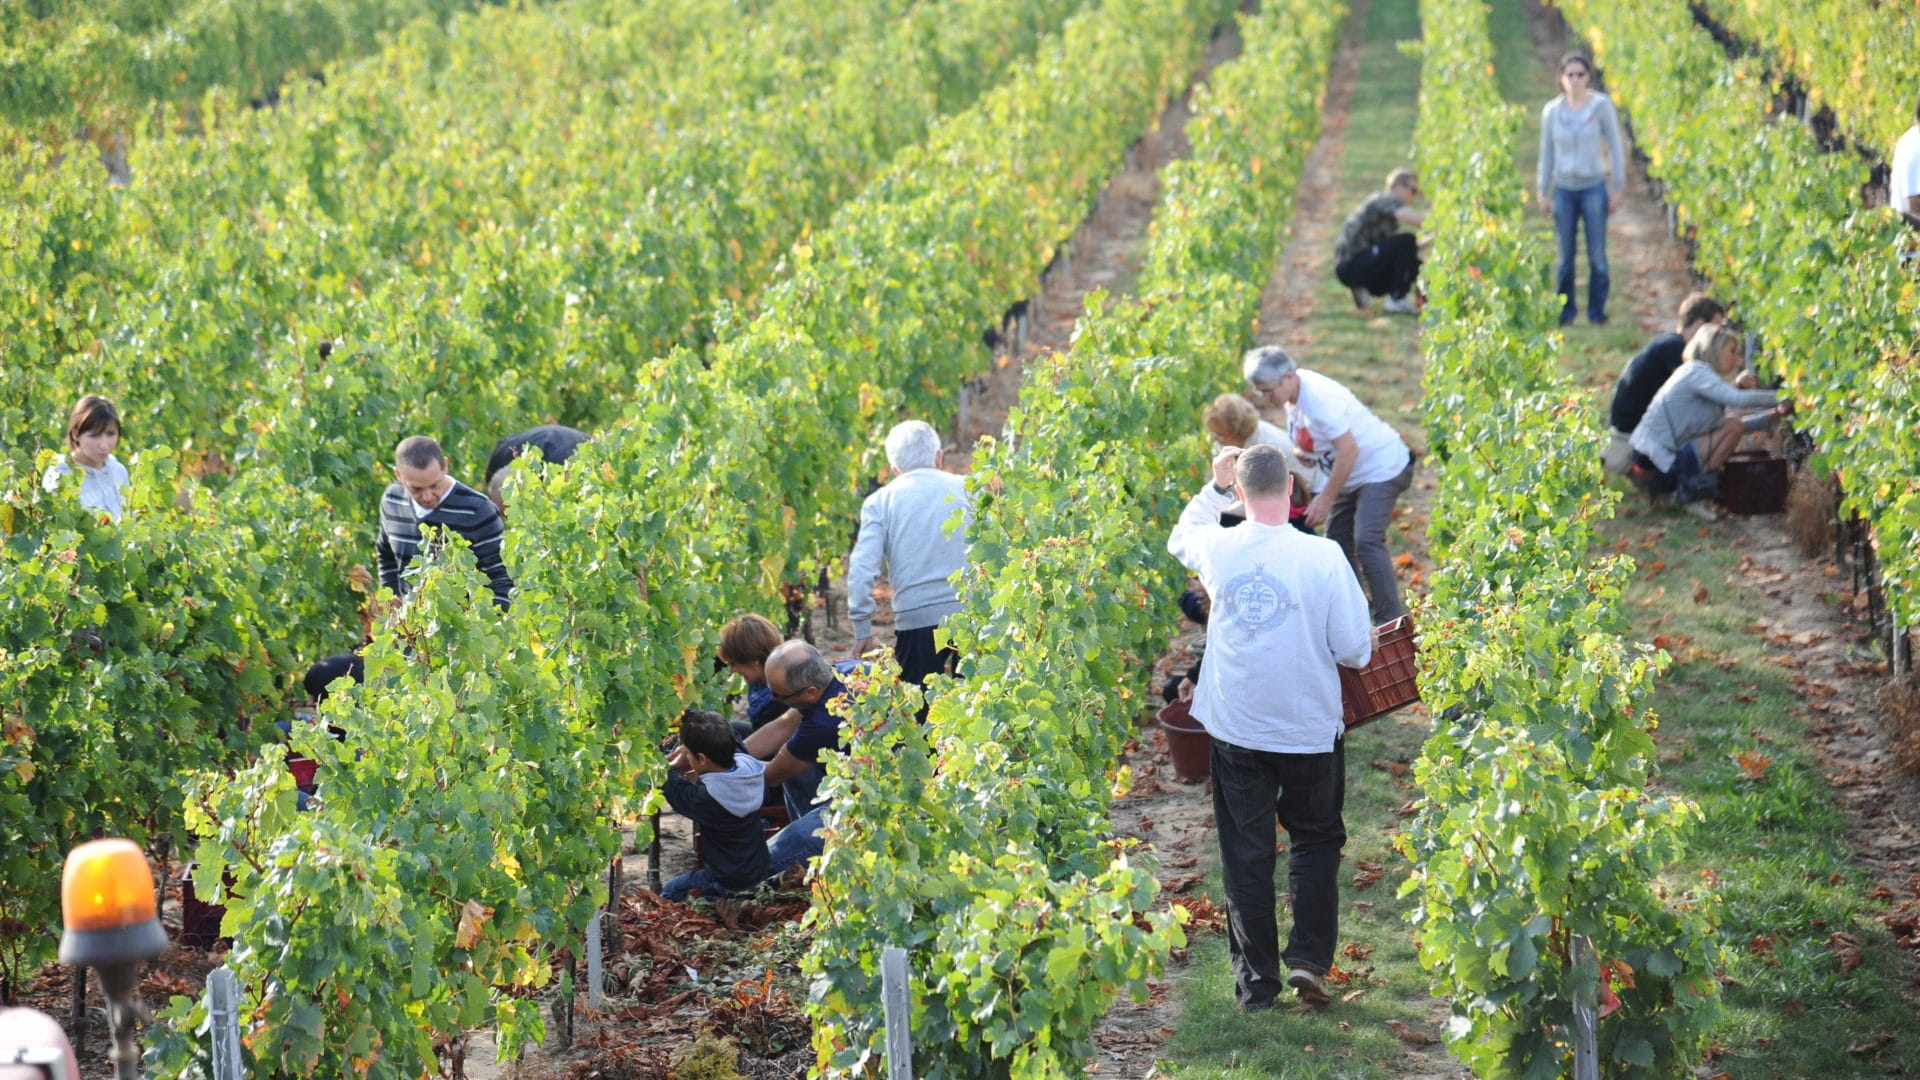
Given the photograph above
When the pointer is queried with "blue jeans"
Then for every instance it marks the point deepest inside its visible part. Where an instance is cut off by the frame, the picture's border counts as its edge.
(1305, 794)
(1570, 210)
(1686, 466)
(799, 842)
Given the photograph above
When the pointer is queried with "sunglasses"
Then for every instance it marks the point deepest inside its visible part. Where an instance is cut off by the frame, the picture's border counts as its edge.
(786, 697)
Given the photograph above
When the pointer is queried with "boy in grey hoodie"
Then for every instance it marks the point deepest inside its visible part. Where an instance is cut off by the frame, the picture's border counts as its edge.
(903, 530)
(721, 791)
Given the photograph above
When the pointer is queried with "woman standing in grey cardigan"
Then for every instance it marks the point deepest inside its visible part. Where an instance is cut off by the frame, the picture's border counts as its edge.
(1576, 184)
(1696, 421)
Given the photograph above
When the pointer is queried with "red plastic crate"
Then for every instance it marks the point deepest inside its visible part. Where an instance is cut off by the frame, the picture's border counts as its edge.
(304, 770)
(1387, 682)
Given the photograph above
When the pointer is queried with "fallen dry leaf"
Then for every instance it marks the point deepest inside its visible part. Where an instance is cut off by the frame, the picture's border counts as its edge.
(1411, 1036)
(1182, 883)
(1847, 948)
(1753, 764)
(1870, 1047)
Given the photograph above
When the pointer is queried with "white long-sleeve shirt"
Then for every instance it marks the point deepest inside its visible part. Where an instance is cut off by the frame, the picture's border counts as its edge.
(102, 489)
(903, 534)
(1286, 610)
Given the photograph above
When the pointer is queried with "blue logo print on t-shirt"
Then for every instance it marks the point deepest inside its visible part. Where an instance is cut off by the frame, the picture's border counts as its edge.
(1256, 603)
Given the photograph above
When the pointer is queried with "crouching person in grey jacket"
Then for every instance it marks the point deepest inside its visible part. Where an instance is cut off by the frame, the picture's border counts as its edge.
(1696, 421)
(904, 531)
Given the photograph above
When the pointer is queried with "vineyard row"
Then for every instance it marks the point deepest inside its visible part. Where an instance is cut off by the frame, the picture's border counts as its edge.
(1541, 855)
(464, 823)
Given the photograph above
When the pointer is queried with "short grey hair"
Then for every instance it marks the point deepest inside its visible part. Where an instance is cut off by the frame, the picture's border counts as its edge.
(418, 452)
(913, 444)
(1261, 471)
(1267, 364)
(801, 665)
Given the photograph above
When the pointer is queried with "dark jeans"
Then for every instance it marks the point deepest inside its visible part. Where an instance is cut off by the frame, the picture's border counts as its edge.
(1685, 481)
(1388, 268)
(918, 656)
(1358, 523)
(1572, 210)
(1305, 793)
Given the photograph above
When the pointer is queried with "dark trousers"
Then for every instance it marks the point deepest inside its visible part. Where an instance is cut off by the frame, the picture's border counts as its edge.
(918, 656)
(1358, 523)
(1305, 793)
(1388, 268)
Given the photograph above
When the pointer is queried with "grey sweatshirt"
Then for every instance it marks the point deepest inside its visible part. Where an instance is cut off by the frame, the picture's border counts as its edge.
(903, 531)
(1691, 404)
(1570, 152)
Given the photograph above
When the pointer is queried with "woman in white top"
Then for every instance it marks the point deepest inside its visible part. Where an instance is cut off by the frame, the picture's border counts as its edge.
(1233, 421)
(93, 433)
(1577, 185)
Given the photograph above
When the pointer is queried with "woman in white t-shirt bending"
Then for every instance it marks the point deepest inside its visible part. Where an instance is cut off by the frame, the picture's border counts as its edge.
(93, 433)
(1367, 466)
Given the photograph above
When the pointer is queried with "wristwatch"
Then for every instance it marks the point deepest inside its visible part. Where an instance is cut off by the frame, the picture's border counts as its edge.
(1222, 490)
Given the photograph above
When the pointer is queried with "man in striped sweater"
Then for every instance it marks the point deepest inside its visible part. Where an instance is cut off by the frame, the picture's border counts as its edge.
(423, 494)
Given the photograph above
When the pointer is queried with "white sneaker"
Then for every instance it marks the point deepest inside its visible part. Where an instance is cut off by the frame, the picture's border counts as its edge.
(1701, 510)
(1400, 306)
(1361, 297)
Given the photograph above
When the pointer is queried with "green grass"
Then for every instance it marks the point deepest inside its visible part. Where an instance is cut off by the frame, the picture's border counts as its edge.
(1787, 880)
(1378, 357)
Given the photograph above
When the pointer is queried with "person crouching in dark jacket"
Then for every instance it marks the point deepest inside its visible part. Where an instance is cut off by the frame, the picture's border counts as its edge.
(720, 789)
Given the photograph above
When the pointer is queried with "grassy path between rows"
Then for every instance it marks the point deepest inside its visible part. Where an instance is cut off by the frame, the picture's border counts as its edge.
(1384, 993)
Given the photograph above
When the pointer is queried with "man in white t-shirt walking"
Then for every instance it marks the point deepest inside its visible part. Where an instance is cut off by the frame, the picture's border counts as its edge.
(1366, 462)
(1903, 187)
(1286, 610)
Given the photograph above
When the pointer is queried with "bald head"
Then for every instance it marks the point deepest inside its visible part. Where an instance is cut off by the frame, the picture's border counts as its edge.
(795, 667)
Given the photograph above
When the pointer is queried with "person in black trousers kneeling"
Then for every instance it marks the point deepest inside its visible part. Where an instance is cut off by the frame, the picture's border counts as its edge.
(1373, 257)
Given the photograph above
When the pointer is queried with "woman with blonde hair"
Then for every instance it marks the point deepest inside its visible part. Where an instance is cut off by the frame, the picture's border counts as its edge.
(1696, 421)
(1233, 421)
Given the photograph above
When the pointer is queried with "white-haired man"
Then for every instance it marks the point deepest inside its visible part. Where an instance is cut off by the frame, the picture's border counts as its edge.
(1366, 462)
(1286, 610)
(907, 530)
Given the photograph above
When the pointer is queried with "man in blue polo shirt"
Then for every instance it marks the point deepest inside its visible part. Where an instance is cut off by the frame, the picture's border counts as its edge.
(801, 678)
